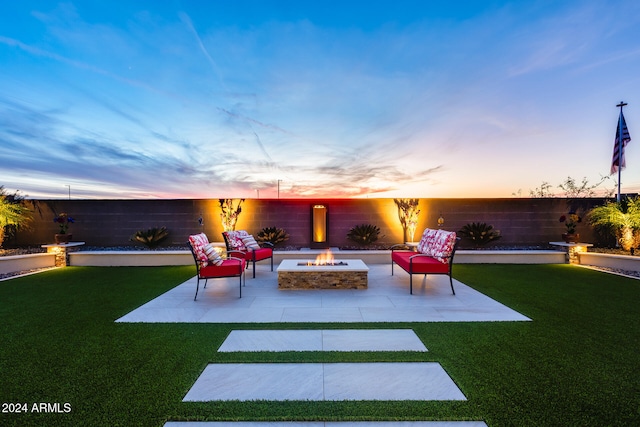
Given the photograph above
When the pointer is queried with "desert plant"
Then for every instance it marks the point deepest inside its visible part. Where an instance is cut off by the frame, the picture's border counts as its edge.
(479, 233)
(229, 214)
(152, 237)
(272, 235)
(621, 219)
(408, 213)
(13, 212)
(364, 234)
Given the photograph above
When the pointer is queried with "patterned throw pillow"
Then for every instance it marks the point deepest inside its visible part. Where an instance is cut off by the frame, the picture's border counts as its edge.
(426, 243)
(235, 239)
(198, 242)
(443, 245)
(250, 242)
(213, 255)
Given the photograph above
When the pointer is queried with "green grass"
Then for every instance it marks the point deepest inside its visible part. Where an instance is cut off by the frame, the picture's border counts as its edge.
(576, 363)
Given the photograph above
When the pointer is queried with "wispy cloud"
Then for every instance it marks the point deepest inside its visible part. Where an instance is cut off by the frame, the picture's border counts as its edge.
(166, 103)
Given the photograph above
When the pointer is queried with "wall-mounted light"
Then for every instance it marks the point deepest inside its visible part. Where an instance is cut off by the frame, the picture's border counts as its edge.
(440, 221)
(319, 224)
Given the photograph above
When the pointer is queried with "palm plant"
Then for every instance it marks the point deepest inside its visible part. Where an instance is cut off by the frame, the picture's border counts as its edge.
(272, 235)
(152, 237)
(622, 219)
(479, 233)
(13, 212)
(364, 234)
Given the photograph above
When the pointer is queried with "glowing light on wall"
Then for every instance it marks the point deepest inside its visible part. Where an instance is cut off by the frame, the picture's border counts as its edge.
(319, 223)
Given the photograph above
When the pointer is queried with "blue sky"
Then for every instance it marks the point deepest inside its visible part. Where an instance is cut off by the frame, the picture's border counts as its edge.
(209, 99)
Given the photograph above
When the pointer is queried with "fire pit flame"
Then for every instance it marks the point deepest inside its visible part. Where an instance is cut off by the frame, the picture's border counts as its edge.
(325, 258)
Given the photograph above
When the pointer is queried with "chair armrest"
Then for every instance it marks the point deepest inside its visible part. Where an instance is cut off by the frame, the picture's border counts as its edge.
(399, 245)
(235, 251)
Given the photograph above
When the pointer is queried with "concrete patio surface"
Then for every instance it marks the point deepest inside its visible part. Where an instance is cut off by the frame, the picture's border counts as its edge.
(387, 299)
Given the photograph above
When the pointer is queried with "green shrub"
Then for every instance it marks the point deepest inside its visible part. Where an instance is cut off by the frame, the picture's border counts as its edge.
(152, 237)
(620, 219)
(272, 235)
(479, 233)
(364, 234)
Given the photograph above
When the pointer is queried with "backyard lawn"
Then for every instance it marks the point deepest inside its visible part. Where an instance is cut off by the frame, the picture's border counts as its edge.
(64, 361)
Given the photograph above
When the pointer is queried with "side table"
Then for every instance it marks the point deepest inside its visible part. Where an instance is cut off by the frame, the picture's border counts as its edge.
(61, 250)
(572, 250)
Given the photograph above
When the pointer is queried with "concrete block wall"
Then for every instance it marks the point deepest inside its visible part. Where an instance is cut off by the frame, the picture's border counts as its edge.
(113, 222)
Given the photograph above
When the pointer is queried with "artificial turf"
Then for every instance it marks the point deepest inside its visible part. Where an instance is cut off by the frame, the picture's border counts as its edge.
(575, 363)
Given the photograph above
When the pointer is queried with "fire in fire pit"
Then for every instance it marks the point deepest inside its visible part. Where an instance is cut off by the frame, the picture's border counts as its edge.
(324, 259)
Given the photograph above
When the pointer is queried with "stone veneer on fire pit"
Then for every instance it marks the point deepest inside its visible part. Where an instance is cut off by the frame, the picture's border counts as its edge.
(292, 275)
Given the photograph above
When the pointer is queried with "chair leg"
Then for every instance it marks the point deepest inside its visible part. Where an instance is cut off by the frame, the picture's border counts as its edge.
(451, 281)
(271, 262)
(410, 284)
(254, 268)
(241, 274)
(197, 287)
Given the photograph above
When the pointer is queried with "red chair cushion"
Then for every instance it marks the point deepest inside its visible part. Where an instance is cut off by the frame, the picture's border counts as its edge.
(262, 253)
(229, 267)
(420, 265)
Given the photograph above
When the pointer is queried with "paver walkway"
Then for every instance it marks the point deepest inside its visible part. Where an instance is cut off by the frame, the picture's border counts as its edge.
(323, 340)
(324, 381)
(386, 300)
(327, 424)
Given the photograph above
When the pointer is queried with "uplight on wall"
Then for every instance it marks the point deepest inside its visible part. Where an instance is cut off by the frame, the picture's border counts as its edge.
(319, 224)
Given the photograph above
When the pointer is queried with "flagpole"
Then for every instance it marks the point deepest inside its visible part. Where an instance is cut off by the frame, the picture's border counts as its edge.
(620, 138)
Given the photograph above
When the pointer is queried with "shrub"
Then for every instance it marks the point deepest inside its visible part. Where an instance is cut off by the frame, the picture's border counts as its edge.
(13, 213)
(152, 237)
(363, 234)
(479, 233)
(272, 235)
(621, 219)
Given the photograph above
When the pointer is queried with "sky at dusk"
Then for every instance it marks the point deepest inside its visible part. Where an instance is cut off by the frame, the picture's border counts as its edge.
(210, 99)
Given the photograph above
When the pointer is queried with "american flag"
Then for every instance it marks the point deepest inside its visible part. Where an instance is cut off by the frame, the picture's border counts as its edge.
(618, 150)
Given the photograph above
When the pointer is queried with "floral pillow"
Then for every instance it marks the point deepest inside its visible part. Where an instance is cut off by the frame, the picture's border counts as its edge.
(198, 242)
(235, 240)
(250, 242)
(213, 255)
(426, 243)
(442, 246)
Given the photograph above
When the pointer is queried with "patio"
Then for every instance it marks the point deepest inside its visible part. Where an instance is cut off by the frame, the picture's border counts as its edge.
(387, 299)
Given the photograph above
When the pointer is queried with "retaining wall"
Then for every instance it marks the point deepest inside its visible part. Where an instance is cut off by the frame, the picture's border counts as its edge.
(113, 222)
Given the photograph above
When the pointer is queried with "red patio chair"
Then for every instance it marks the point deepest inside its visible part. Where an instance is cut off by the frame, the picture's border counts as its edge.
(207, 269)
(241, 244)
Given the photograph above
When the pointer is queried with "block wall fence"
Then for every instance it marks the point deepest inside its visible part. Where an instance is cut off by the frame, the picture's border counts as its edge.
(112, 222)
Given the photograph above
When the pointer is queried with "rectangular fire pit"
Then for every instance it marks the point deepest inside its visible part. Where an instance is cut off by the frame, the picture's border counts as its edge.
(346, 274)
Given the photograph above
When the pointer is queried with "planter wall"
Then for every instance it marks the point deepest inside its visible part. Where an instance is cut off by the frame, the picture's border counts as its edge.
(11, 264)
(130, 258)
(159, 258)
(509, 257)
(621, 262)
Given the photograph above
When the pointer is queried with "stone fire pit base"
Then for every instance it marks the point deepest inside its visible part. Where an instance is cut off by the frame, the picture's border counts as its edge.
(354, 275)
